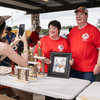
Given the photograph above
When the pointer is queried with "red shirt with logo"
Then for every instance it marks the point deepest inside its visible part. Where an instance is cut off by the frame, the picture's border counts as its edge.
(35, 37)
(84, 44)
(48, 45)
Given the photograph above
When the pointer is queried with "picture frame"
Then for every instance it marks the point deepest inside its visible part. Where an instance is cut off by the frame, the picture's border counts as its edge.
(59, 66)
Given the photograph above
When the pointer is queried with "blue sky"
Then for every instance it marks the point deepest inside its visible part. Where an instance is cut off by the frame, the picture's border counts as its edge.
(65, 17)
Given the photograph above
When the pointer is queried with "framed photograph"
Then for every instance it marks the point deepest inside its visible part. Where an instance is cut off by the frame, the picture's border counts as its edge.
(60, 66)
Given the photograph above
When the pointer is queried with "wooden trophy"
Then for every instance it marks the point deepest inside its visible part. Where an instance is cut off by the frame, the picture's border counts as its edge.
(31, 54)
(12, 64)
(32, 65)
(22, 74)
(35, 69)
(31, 71)
(43, 63)
(39, 49)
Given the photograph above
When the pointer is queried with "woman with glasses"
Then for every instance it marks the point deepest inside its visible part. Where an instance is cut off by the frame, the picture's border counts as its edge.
(52, 43)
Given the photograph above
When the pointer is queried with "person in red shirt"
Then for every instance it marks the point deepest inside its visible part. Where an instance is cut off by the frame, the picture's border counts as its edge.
(52, 43)
(34, 37)
(84, 40)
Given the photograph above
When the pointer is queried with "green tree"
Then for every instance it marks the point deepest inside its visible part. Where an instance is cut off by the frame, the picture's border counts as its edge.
(66, 27)
(15, 27)
(98, 24)
(44, 31)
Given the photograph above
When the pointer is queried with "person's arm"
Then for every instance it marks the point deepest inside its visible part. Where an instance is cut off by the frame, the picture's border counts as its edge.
(7, 50)
(30, 40)
(47, 61)
(4, 56)
(11, 44)
(97, 66)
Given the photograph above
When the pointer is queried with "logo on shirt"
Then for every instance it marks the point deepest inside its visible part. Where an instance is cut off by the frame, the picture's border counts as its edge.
(85, 36)
(60, 47)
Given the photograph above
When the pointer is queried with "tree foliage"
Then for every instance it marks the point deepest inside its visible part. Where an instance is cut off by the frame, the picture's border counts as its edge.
(66, 27)
(15, 27)
(44, 31)
(98, 24)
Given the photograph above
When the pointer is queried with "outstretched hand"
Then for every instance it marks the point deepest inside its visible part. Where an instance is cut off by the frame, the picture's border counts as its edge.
(23, 38)
(17, 39)
(47, 61)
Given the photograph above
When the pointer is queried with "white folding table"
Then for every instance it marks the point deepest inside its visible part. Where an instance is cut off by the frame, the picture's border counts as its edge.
(92, 92)
(49, 86)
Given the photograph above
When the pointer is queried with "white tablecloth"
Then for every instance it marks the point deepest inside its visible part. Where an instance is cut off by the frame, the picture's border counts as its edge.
(49, 86)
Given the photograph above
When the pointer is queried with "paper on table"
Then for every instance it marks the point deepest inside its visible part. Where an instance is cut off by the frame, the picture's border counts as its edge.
(5, 70)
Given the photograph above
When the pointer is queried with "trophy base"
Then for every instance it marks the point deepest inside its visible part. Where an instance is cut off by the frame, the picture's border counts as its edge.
(13, 75)
(22, 81)
(32, 78)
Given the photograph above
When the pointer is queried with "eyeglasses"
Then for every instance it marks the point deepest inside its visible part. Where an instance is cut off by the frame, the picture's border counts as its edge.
(53, 28)
(79, 15)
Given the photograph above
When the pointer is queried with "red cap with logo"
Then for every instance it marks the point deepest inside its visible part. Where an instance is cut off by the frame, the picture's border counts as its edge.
(82, 9)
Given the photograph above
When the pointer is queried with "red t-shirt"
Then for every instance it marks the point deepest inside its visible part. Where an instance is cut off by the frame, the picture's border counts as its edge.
(48, 45)
(35, 37)
(83, 44)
